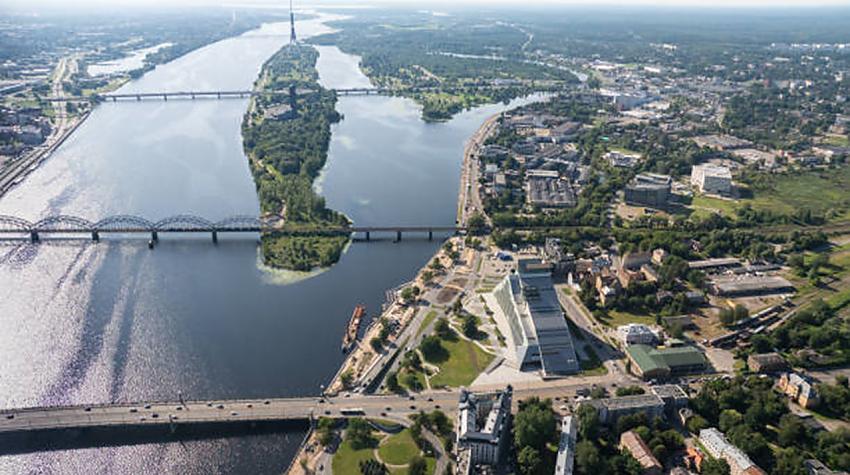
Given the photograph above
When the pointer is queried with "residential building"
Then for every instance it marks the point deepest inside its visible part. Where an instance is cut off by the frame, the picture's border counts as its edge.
(649, 189)
(712, 179)
(631, 442)
(798, 388)
(528, 313)
(484, 426)
(719, 447)
(611, 409)
(766, 363)
(567, 446)
(637, 334)
(660, 363)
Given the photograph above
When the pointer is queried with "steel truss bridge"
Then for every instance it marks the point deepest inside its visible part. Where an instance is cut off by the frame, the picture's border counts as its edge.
(13, 227)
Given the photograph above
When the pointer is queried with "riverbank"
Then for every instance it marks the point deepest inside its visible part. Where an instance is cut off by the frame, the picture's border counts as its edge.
(18, 171)
(286, 138)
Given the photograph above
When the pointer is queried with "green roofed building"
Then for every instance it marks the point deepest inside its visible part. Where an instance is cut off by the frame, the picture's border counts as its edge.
(660, 363)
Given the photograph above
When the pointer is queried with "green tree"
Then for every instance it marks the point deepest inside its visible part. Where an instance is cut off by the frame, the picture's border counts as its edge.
(432, 349)
(417, 466)
(713, 466)
(528, 460)
(587, 458)
(325, 430)
(470, 328)
(476, 224)
(392, 382)
(791, 431)
(373, 467)
(359, 434)
(347, 379)
(535, 424)
(376, 344)
(588, 422)
(443, 329)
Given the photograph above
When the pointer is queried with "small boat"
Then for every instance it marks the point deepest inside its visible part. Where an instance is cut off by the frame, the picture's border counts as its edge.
(350, 336)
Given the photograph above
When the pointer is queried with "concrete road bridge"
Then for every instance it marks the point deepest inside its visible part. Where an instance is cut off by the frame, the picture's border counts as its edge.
(60, 427)
(13, 227)
(356, 91)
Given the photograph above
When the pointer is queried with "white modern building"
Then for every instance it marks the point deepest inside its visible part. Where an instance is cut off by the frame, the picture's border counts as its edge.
(484, 426)
(527, 312)
(712, 179)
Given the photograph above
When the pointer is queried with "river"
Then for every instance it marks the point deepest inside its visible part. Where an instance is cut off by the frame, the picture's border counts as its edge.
(115, 321)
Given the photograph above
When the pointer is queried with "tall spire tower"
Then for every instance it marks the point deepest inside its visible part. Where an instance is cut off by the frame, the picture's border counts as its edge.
(292, 38)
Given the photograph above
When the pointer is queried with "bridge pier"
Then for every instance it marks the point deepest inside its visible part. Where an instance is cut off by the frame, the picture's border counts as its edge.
(34, 236)
(154, 236)
(368, 235)
(219, 95)
(114, 99)
(430, 234)
(193, 96)
(95, 236)
(165, 97)
(398, 235)
(215, 237)
(138, 97)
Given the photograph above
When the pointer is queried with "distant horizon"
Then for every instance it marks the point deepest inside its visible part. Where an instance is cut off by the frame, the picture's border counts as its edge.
(39, 5)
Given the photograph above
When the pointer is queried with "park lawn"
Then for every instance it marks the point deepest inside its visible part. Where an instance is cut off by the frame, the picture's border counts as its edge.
(429, 317)
(419, 377)
(706, 205)
(617, 318)
(346, 460)
(816, 190)
(465, 362)
(398, 449)
(432, 465)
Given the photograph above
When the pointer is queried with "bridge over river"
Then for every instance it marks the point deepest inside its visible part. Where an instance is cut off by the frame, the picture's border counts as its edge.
(12, 227)
(354, 91)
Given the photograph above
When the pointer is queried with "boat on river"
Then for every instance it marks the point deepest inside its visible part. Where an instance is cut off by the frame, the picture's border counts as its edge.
(350, 337)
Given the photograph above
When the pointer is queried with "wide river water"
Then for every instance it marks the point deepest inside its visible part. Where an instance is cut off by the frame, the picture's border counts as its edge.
(115, 321)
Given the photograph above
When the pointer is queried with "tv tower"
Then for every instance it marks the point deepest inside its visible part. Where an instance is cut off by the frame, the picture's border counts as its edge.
(292, 38)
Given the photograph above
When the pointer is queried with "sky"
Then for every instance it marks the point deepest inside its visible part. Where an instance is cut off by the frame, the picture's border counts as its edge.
(420, 3)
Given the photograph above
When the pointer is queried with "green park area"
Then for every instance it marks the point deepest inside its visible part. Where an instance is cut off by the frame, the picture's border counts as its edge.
(362, 444)
(460, 362)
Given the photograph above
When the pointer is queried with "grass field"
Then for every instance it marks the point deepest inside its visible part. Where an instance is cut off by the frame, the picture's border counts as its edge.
(617, 318)
(429, 317)
(464, 363)
(346, 460)
(817, 190)
(398, 449)
(706, 205)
